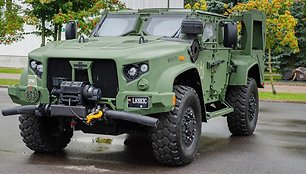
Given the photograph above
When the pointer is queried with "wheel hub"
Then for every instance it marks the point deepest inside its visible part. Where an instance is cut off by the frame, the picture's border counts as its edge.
(252, 107)
(189, 126)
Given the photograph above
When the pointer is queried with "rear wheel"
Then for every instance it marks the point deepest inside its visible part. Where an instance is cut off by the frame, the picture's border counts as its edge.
(175, 141)
(244, 100)
(45, 134)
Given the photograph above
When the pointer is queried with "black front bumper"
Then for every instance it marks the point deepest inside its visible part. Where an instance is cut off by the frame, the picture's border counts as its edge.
(81, 111)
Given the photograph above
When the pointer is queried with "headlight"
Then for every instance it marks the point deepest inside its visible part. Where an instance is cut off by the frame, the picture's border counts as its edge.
(133, 71)
(144, 68)
(40, 69)
(33, 64)
(37, 67)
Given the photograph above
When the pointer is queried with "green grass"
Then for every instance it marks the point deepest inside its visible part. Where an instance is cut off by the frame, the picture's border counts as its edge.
(8, 82)
(285, 97)
(11, 70)
(276, 77)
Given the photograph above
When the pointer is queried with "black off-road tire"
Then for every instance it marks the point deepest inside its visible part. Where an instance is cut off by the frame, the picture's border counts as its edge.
(170, 142)
(244, 100)
(42, 134)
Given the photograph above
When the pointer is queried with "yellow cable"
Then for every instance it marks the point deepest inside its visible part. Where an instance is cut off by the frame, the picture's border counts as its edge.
(94, 115)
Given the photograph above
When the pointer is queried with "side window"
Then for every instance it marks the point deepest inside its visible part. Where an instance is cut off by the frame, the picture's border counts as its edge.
(209, 32)
(257, 35)
(242, 35)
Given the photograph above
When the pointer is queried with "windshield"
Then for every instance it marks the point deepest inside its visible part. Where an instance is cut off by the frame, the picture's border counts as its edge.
(163, 25)
(117, 25)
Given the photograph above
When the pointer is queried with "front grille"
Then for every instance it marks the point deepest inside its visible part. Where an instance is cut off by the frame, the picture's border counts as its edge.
(104, 74)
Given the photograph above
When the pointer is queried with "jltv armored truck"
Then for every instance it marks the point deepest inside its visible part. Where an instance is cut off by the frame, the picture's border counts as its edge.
(159, 71)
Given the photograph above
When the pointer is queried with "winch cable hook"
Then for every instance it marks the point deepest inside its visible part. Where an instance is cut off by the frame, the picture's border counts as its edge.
(94, 115)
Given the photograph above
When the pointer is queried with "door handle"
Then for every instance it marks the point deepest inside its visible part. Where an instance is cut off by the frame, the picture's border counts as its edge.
(214, 63)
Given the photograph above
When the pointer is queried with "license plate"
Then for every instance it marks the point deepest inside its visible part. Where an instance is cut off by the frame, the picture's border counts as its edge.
(138, 102)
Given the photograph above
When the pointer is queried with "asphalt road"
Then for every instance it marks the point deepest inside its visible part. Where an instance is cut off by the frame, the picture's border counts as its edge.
(278, 146)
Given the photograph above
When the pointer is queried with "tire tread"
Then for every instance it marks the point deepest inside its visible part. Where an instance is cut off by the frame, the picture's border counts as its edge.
(237, 97)
(164, 137)
(32, 135)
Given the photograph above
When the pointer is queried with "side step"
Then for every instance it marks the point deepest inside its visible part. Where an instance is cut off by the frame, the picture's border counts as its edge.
(220, 112)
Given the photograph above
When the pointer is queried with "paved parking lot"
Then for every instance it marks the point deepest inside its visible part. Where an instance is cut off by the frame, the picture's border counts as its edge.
(278, 146)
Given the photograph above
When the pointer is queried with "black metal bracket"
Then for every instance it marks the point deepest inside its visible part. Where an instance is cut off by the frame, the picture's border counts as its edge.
(211, 64)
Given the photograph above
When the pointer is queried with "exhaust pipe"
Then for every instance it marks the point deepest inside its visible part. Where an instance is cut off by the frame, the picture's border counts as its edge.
(64, 111)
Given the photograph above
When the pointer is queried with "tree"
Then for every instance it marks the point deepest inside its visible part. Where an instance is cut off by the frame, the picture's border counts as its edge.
(280, 28)
(196, 5)
(296, 60)
(215, 6)
(88, 16)
(11, 23)
(58, 12)
(38, 13)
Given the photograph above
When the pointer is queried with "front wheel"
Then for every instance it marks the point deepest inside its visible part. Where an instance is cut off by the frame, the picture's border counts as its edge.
(45, 134)
(175, 141)
(244, 100)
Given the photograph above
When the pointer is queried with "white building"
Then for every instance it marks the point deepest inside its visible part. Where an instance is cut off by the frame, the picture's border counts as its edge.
(14, 55)
(139, 4)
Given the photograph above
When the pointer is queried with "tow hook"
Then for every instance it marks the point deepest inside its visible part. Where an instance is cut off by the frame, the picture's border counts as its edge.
(94, 116)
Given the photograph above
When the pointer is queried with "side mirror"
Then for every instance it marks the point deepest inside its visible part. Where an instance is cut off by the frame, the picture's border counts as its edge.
(192, 26)
(230, 35)
(71, 30)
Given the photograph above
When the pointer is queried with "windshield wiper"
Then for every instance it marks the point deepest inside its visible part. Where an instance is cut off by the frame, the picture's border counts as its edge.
(176, 33)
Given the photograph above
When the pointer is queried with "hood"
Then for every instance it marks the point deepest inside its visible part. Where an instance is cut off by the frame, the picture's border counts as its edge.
(111, 48)
(106, 43)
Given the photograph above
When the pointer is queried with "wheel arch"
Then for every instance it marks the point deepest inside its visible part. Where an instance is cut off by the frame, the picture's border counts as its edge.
(254, 73)
(243, 71)
(195, 83)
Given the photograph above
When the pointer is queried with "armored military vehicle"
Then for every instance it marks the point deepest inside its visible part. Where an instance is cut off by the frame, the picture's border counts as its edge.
(157, 71)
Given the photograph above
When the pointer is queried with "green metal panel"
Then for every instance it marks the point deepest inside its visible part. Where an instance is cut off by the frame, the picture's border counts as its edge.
(217, 66)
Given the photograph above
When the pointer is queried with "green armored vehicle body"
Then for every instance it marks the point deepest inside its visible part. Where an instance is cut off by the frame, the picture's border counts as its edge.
(156, 71)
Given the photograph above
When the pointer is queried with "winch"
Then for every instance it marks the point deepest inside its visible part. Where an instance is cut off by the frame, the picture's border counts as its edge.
(76, 93)
(80, 100)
